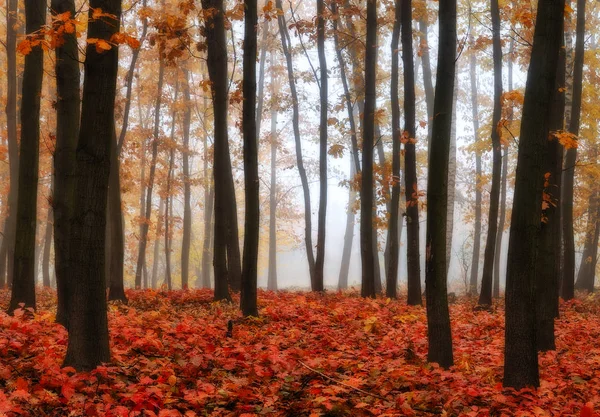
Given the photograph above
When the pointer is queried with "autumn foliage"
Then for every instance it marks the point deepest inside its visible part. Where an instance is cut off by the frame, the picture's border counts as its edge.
(308, 355)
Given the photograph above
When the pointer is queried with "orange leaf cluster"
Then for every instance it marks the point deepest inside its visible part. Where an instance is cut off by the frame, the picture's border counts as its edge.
(309, 354)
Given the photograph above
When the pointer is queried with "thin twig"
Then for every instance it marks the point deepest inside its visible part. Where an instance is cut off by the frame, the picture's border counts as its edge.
(341, 383)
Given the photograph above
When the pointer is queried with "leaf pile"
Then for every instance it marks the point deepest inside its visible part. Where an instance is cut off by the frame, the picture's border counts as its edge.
(308, 355)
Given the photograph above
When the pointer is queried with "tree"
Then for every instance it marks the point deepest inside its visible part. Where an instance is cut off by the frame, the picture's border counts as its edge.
(568, 279)
(251, 180)
(366, 189)
(272, 274)
(187, 188)
(485, 297)
(23, 284)
(438, 316)
(520, 352)
(223, 181)
(88, 323)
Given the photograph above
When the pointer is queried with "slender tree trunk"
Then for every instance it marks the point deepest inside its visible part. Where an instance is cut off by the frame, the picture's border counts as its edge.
(251, 179)
(427, 78)
(587, 268)
(206, 247)
(272, 274)
(23, 284)
(502, 220)
(568, 281)
(88, 344)
(521, 361)
(366, 190)
(485, 297)
(217, 70)
(141, 259)
(438, 316)
(349, 232)
(169, 197)
(266, 27)
(158, 234)
(478, 171)
(8, 242)
(286, 46)
(451, 178)
(187, 187)
(47, 247)
(116, 238)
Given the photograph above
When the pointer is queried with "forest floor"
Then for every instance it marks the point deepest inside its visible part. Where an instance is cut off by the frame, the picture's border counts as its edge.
(307, 355)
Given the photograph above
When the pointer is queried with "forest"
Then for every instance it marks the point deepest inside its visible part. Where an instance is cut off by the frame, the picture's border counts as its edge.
(302, 208)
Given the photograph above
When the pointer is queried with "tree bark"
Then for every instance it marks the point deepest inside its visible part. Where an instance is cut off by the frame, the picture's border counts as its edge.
(568, 281)
(451, 178)
(88, 344)
(47, 247)
(286, 46)
(427, 78)
(438, 316)
(169, 197)
(206, 246)
(141, 258)
(366, 190)
(23, 284)
(478, 172)
(158, 234)
(251, 180)
(485, 298)
(217, 70)
(187, 188)
(348, 233)
(272, 274)
(587, 268)
(266, 27)
(521, 361)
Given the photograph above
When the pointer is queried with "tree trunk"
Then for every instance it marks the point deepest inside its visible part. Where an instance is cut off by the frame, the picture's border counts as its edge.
(587, 268)
(217, 70)
(23, 284)
(266, 27)
(169, 197)
(47, 247)
(485, 297)
(187, 189)
(451, 178)
(158, 234)
(366, 191)
(141, 259)
(272, 274)
(251, 180)
(478, 171)
(438, 316)
(88, 324)
(206, 246)
(349, 232)
(521, 361)
(8, 242)
(568, 281)
(502, 220)
(427, 77)
(116, 238)
(286, 46)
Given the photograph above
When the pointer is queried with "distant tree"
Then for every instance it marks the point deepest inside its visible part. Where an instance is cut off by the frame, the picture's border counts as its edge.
(366, 191)
(520, 352)
(23, 284)
(88, 344)
(438, 316)
(187, 186)
(273, 141)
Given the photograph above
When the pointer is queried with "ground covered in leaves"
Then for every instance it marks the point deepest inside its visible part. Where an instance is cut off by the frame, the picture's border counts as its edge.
(307, 355)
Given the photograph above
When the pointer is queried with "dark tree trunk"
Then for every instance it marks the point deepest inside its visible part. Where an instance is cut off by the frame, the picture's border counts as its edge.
(366, 189)
(568, 279)
(438, 316)
(286, 46)
(587, 268)
(143, 149)
(187, 189)
(427, 77)
(521, 362)
(451, 177)
(349, 232)
(272, 274)
(158, 234)
(318, 285)
(501, 222)
(88, 324)
(485, 298)
(478, 173)
(116, 290)
(141, 259)
(68, 114)
(223, 181)
(251, 179)
(8, 242)
(548, 257)
(261, 75)
(206, 246)
(23, 284)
